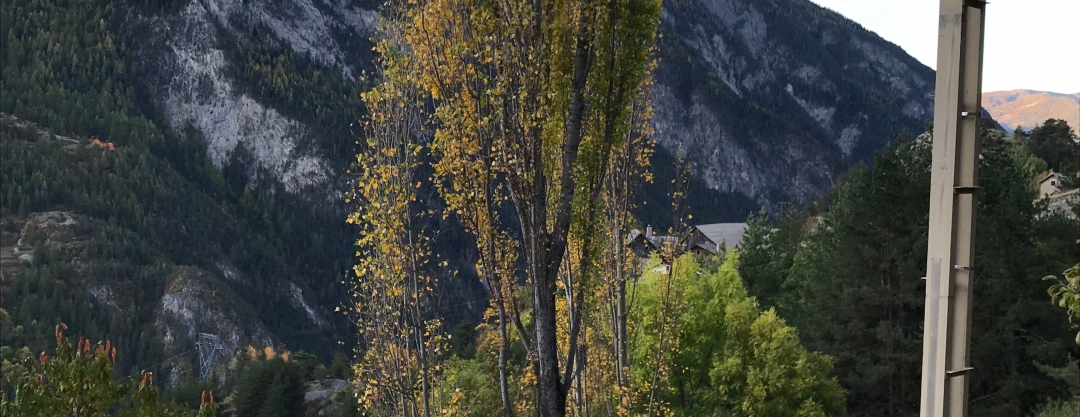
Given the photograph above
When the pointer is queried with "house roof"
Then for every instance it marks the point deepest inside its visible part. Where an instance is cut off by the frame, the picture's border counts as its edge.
(660, 240)
(655, 240)
(730, 234)
(1049, 175)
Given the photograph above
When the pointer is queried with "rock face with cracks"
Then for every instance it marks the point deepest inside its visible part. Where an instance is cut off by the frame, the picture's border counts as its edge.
(187, 65)
(771, 99)
(196, 302)
(774, 99)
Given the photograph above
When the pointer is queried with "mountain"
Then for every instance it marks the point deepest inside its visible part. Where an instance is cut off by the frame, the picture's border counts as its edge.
(210, 142)
(749, 91)
(120, 245)
(1028, 108)
(774, 99)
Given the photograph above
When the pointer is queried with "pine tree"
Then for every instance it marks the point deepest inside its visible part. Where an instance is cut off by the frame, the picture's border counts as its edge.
(1055, 142)
(854, 291)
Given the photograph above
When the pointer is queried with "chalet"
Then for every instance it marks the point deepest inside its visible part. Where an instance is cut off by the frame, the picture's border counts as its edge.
(1050, 184)
(707, 239)
(1057, 194)
(645, 243)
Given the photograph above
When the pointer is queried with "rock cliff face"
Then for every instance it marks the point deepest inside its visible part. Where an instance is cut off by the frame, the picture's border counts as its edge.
(773, 99)
(770, 99)
(187, 65)
(195, 303)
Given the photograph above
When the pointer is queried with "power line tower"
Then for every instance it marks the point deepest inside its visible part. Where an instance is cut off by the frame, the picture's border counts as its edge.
(953, 186)
(784, 205)
(209, 347)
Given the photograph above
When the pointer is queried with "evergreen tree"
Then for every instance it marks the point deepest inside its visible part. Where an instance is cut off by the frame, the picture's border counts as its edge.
(768, 250)
(271, 387)
(854, 290)
(1055, 142)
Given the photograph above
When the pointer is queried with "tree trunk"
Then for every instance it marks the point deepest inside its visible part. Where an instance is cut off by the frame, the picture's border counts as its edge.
(504, 388)
(548, 248)
(550, 394)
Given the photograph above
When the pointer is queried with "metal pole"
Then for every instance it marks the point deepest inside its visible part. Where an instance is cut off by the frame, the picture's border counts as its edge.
(953, 186)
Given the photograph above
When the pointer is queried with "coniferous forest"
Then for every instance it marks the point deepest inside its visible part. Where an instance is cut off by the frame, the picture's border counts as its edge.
(495, 157)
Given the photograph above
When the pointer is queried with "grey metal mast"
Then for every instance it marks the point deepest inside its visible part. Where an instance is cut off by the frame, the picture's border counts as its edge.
(953, 185)
(209, 347)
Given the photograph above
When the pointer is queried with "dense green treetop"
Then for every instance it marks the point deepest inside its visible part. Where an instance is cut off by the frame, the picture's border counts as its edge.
(727, 355)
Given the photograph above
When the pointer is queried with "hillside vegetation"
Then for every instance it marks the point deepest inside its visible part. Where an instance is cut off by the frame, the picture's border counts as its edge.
(126, 225)
(150, 200)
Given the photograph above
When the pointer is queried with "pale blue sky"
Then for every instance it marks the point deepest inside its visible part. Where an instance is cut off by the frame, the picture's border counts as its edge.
(1030, 44)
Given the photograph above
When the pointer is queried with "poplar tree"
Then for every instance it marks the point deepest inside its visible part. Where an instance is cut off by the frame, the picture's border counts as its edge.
(393, 290)
(533, 97)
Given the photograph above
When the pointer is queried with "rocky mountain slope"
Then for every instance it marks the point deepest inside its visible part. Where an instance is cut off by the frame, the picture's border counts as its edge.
(131, 258)
(773, 99)
(1027, 108)
(768, 99)
(196, 62)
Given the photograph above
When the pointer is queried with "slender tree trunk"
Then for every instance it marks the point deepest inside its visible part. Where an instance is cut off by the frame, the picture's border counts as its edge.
(504, 388)
(494, 281)
(621, 197)
(658, 360)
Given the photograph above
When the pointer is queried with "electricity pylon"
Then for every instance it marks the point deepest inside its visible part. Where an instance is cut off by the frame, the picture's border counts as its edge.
(953, 186)
(209, 347)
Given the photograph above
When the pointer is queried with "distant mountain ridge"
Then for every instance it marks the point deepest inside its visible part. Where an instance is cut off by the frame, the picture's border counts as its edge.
(1028, 108)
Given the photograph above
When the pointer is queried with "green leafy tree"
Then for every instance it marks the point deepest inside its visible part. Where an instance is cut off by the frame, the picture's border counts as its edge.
(1028, 163)
(1066, 293)
(468, 388)
(727, 356)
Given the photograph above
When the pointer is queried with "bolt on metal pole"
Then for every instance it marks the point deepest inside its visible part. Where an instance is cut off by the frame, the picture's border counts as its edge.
(953, 187)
